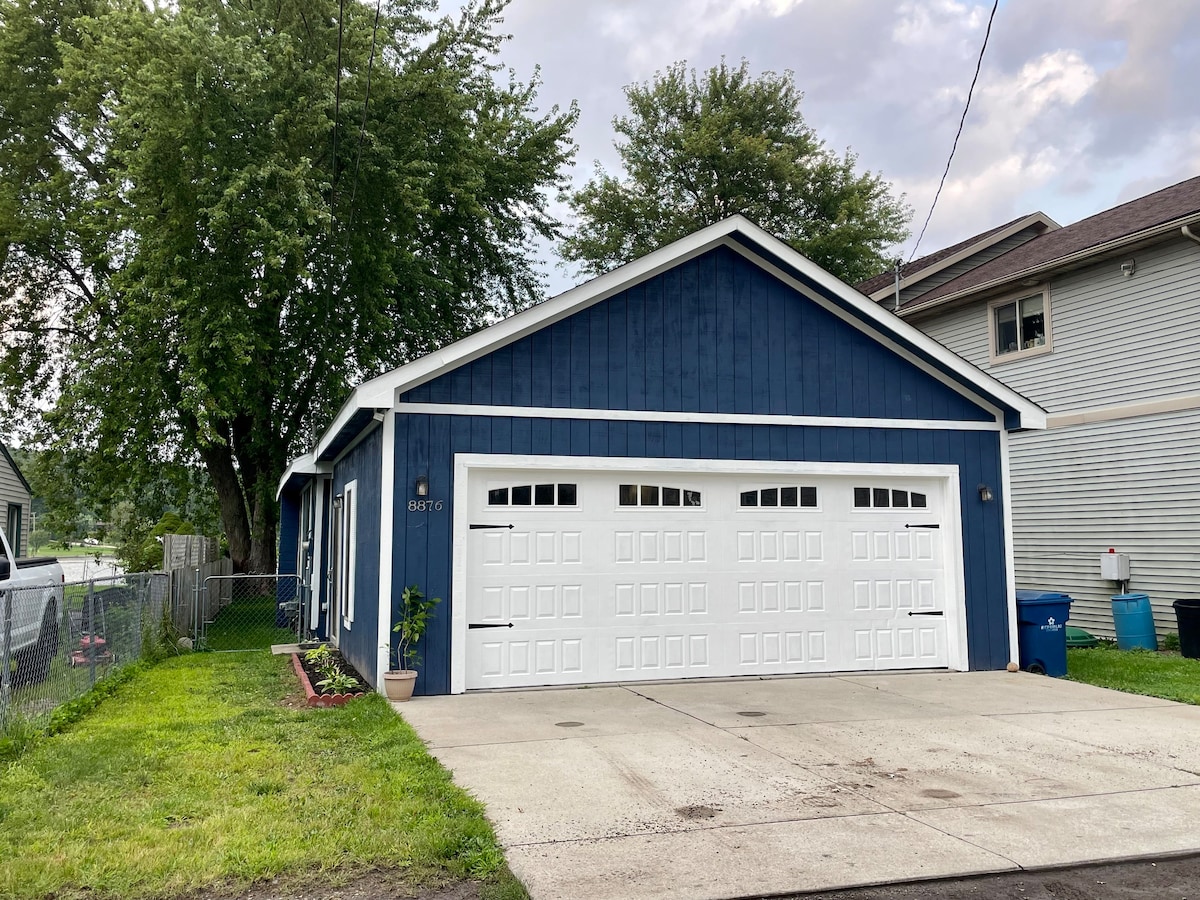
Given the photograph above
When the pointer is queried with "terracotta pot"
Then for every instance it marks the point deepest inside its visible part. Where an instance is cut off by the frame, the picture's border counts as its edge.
(399, 685)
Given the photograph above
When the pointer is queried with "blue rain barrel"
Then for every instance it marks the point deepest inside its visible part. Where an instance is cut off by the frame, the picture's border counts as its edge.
(1134, 621)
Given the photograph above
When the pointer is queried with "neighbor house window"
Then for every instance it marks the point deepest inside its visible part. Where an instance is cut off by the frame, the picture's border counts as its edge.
(1020, 325)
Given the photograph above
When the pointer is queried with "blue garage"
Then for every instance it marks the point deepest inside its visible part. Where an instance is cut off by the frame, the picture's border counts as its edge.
(717, 460)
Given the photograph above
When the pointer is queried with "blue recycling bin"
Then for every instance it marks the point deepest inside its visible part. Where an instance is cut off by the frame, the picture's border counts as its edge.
(1133, 621)
(1042, 631)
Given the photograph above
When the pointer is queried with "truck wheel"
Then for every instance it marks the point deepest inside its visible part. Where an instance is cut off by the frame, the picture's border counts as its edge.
(33, 665)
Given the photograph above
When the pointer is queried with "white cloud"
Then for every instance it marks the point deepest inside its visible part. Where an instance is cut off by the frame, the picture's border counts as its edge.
(1080, 104)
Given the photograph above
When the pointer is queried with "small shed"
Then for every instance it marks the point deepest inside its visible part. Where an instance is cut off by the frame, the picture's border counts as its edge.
(717, 460)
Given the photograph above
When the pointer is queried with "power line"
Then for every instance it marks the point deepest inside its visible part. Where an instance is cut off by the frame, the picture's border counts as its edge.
(337, 108)
(362, 127)
(962, 121)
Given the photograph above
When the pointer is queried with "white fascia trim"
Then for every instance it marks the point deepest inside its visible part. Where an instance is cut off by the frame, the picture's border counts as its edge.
(1010, 563)
(1165, 229)
(707, 418)
(381, 392)
(305, 464)
(387, 523)
(1037, 218)
(956, 626)
(1031, 415)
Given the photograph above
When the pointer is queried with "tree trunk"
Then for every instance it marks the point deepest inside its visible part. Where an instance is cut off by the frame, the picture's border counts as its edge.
(218, 459)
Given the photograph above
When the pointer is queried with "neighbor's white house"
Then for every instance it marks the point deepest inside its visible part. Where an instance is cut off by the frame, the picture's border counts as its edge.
(16, 501)
(1099, 323)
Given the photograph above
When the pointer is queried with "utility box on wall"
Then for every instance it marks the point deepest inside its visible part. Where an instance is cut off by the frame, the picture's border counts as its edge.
(1114, 566)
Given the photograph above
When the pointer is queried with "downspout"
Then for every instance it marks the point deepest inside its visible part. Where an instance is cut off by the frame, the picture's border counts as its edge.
(1191, 235)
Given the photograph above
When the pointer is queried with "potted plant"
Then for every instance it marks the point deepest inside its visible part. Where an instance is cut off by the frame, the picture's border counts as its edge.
(415, 610)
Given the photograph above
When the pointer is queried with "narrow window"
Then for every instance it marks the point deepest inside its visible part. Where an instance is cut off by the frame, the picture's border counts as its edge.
(749, 498)
(649, 495)
(670, 496)
(1006, 329)
(862, 497)
(788, 496)
(628, 495)
(900, 499)
(769, 497)
(498, 497)
(808, 496)
(691, 498)
(879, 498)
(918, 501)
(543, 495)
(522, 496)
(567, 495)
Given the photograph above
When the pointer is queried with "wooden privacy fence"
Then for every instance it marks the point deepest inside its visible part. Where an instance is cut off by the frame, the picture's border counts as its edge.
(190, 559)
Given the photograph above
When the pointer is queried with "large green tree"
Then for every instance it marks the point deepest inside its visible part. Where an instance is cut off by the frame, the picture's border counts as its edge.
(697, 148)
(216, 215)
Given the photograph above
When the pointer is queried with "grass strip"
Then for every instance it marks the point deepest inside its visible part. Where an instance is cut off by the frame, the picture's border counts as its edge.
(199, 771)
(1145, 672)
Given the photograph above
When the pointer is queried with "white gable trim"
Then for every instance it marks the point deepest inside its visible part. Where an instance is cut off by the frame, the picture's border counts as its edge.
(383, 391)
(305, 464)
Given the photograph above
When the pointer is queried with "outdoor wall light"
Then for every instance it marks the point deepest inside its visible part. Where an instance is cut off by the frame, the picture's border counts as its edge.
(985, 493)
(423, 486)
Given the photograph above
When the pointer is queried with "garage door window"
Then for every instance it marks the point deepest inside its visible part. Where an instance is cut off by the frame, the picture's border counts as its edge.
(887, 498)
(792, 496)
(656, 495)
(553, 494)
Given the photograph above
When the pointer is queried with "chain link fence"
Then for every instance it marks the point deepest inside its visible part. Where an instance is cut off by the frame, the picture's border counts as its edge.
(56, 642)
(247, 612)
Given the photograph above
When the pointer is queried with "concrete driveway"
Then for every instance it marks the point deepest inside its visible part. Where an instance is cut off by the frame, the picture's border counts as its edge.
(762, 786)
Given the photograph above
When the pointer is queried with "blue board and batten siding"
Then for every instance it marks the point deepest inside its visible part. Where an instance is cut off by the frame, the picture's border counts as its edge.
(364, 464)
(715, 334)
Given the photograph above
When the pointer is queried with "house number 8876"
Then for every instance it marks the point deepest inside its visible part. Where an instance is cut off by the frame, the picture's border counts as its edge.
(425, 505)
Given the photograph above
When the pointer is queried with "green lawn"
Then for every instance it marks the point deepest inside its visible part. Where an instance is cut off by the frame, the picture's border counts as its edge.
(247, 623)
(201, 771)
(1169, 676)
(76, 550)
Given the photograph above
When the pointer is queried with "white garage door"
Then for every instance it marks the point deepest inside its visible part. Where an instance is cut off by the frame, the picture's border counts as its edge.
(583, 576)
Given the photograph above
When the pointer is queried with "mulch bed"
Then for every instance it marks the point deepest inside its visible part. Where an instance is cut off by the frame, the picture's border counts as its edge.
(309, 677)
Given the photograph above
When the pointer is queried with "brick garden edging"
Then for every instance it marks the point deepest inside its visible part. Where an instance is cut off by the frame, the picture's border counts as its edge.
(316, 699)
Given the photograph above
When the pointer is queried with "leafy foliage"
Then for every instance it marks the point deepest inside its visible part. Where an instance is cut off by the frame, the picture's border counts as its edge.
(697, 149)
(415, 611)
(209, 229)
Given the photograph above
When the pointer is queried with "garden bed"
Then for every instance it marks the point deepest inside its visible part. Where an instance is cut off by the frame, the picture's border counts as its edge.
(310, 677)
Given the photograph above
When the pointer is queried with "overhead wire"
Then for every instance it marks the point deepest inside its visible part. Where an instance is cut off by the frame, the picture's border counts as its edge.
(362, 127)
(337, 108)
(958, 134)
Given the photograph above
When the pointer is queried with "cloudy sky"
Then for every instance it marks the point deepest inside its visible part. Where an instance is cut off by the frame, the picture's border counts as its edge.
(1081, 104)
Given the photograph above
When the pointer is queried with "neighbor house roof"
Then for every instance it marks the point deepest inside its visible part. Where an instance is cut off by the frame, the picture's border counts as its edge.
(737, 232)
(932, 262)
(1114, 229)
(17, 469)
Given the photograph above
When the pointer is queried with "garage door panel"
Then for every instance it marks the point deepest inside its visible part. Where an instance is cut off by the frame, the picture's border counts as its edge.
(617, 588)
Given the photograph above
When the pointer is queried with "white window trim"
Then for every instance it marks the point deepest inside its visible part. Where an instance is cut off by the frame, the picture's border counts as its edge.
(349, 551)
(1021, 353)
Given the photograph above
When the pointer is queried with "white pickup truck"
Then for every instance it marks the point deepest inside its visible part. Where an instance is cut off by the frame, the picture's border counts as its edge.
(30, 615)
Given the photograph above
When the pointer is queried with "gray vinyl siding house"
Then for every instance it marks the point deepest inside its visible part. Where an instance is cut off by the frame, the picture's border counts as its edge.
(1118, 372)
(16, 499)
